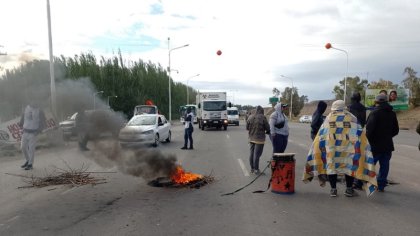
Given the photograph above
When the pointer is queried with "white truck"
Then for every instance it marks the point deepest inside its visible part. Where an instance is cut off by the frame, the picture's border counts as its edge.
(183, 110)
(212, 110)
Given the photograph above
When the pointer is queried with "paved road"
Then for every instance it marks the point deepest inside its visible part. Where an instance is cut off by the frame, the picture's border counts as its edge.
(126, 205)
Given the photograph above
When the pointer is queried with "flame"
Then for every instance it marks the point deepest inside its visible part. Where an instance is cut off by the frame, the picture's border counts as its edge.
(181, 177)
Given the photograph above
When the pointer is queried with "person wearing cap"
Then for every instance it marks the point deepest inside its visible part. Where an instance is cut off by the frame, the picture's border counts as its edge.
(188, 129)
(318, 118)
(381, 127)
(341, 147)
(279, 128)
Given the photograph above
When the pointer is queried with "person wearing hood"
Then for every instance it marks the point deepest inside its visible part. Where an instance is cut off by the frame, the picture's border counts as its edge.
(381, 127)
(318, 118)
(279, 128)
(33, 122)
(257, 126)
(357, 109)
(341, 147)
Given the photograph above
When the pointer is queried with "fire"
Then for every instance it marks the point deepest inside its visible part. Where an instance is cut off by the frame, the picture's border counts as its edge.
(181, 177)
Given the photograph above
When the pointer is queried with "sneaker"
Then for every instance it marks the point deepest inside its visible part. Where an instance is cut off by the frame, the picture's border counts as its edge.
(24, 165)
(191, 148)
(183, 148)
(349, 192)
(357, 187)
(252, 171)
(333, 192)
(28, 167)
(257, 172)
(381, 190)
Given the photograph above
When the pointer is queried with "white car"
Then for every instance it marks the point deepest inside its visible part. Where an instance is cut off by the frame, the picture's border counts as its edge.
(145, 129)
(305, 119)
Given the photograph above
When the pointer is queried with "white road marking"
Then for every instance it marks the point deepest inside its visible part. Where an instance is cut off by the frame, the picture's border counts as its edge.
(68, 190)
(244, 170)
(12, 219)
(227, 136)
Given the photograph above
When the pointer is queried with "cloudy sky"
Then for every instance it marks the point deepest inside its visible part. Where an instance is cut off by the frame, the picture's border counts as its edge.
(260, 40)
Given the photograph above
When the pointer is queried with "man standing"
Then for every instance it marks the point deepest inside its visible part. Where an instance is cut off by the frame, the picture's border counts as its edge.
(188, 129)
(279, 128)
(357, 109)
(32, 122)
(257, 126)
(381, 127)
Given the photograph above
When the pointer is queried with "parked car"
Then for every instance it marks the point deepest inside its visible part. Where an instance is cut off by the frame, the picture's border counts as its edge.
(305, 119)
(145, 129)
(68, 127)
(100, 123)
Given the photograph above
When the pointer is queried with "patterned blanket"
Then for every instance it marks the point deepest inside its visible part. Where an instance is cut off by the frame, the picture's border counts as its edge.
(341, 147)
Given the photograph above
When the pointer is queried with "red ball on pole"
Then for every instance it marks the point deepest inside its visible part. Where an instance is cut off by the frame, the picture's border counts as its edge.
(219, 52)
(328, 46)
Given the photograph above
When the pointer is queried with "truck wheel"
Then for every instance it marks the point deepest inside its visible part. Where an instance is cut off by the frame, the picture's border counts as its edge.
(225, 127)
(202, 127)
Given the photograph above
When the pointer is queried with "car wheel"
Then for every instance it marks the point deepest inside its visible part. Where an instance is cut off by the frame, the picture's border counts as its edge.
(168, 140)
(156, 142)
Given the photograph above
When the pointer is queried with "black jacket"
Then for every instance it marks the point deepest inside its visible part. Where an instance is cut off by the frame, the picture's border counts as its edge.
(318, 118)
(381, 127)
(359, 111)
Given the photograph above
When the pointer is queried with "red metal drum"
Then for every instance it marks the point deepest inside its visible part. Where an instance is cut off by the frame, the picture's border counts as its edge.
(283, 173)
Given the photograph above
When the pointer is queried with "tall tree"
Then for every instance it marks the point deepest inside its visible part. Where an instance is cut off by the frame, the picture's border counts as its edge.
(412, 83)
(354, 84)
(298, 101)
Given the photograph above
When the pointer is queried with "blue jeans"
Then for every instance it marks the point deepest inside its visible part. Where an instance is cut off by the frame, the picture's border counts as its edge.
(188, 136)
(279, 142)
(384, 159)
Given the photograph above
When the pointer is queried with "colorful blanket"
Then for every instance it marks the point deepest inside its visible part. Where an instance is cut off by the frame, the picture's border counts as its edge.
(341, 147)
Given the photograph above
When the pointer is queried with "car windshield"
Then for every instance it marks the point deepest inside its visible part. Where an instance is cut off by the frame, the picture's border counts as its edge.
(232, 112)
(214, 106)
(142, 120)
(145, 110)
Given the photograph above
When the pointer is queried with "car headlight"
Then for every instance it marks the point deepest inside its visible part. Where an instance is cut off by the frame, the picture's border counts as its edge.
(148, 132)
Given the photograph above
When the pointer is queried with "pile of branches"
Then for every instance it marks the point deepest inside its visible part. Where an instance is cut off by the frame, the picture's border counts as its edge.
(73, 177)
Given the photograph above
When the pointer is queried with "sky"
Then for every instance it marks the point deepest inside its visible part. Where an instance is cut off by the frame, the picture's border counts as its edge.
(264, 43)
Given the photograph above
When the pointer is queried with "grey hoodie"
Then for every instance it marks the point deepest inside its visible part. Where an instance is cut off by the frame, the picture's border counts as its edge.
(276, 117)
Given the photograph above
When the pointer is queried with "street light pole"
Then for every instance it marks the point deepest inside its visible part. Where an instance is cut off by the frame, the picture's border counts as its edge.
(169, 71)
(115, 96)
(291, 97)
(188, 95)
(52, 76)
(94, 101)
(328, 46)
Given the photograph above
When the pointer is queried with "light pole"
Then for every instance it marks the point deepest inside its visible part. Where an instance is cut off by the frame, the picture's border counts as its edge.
(233, 97)
(94, 101)
(169, 71)
(291, 97)
(188, 95)
(115, 96)
(328, 46)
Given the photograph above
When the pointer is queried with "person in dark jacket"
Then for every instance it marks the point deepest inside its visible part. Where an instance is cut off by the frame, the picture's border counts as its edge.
(257, 126)
(358, 109)
(381, 127)
(318, 118)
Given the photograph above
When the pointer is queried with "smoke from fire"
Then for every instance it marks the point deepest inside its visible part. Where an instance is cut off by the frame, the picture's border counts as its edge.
(146, 163)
